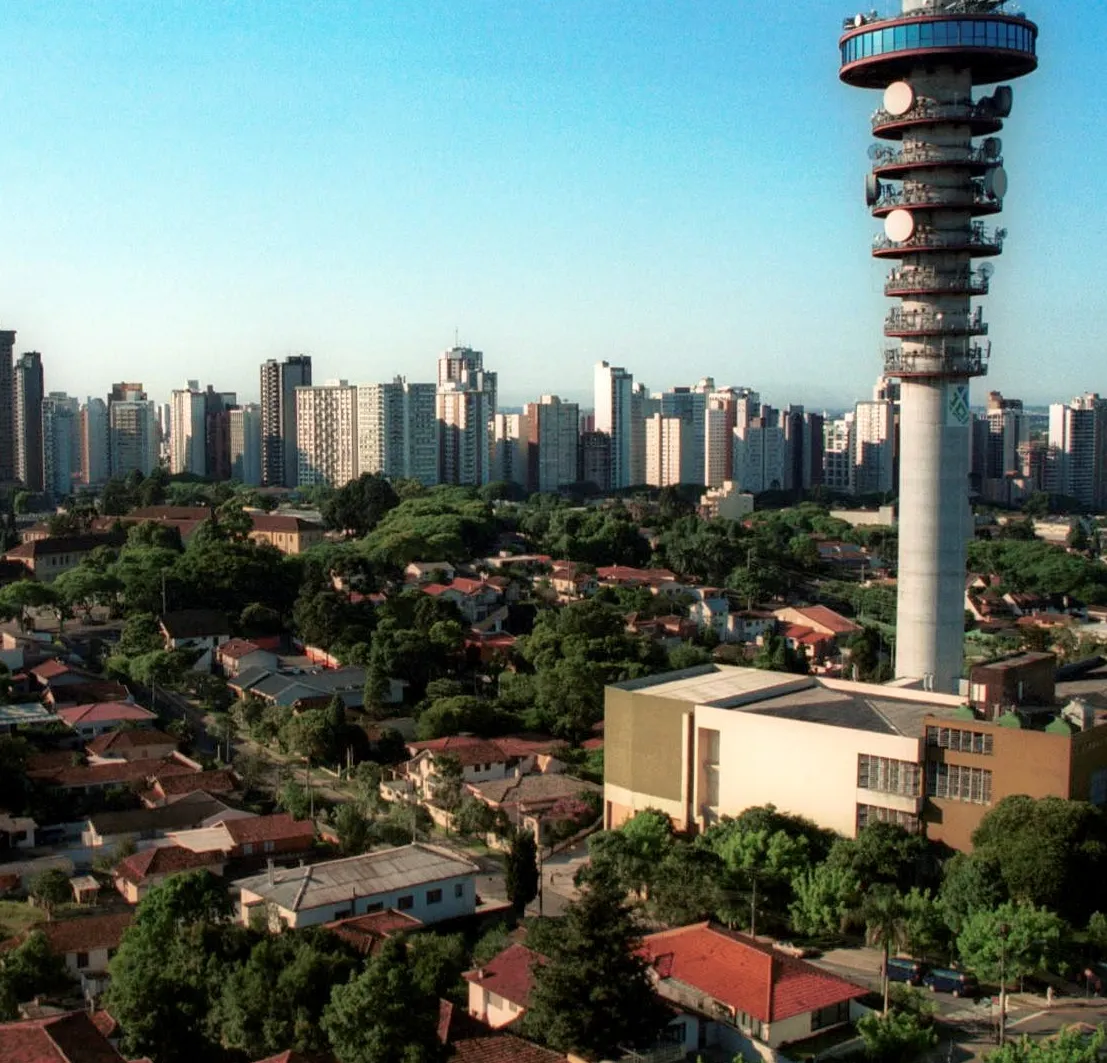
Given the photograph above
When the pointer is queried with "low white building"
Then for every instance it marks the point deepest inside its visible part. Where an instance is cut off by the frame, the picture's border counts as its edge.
(728, 502)
(423, 881)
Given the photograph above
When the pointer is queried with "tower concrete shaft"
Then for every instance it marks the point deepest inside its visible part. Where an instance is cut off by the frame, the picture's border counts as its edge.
(934, 186)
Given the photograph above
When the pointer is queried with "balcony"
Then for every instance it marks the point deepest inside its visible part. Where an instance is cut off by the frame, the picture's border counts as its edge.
(908, 323)
(978, 240)
(926, 281)
(980, 117)
(916, 196)
(940, 362)
(890, 161)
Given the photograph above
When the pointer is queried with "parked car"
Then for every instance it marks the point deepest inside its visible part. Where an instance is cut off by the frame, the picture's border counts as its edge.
(946, 980)
(902, 969)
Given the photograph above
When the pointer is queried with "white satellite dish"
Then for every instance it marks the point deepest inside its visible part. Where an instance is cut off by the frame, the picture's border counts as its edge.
(859, 20)
(899, 226)
(986, 271)
(872, 189)
(899, 98)
(1003, 100)
(993, 148)
(995, 183)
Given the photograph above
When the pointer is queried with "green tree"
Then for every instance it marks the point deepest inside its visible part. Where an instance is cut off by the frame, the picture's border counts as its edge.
(19, 598)
(360, 505)
(50, 888)
(826, 896)
(474, 818)
(1072, 1045)
(294, 798)
(971, 882)
(383, 1015)
(437, 962)
(885, 916)
(594, 995)
(366, 781)
(686, 886)
(925, 933)
(895, 1036)
(31, 968)
(521, 870)
(353, 829)
(447, 781)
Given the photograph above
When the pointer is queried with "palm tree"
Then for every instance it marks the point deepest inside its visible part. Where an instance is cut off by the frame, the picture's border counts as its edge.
(885, 924)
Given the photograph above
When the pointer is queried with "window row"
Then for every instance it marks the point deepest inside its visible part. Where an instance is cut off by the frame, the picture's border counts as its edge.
(867, 814)
(949, 33)
(957, 782)
(407, 902)
(959, 740)
(888, 776)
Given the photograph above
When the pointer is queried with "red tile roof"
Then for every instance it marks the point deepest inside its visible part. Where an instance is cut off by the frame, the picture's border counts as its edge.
(71, 1038)
(293, 1057)
(73, 776)
(821, 616)
(625, 574)
(745, 974)
(104, 712)
(466, 748)
(165, 860)
(509, 974)
(50, 669)
(501, 1048)
(84, 933)
(279, 827)
(283, 522)
(364, 932)
(136, 738)
(105, 1022)
(237, 648)
(175, 784)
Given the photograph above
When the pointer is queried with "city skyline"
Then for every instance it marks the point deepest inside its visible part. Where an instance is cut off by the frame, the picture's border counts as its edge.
(617, 185)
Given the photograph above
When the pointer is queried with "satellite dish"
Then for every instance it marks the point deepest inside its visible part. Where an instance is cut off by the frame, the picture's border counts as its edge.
(1002, 100)
(899, 226)
(986, 271)
(878, 152)
(995, 183)
(859, 20)
(899, 98)
(872, 189)
(993, 148)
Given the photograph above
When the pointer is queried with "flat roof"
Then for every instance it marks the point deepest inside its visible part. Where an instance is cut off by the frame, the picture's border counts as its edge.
(880, 709)
(26, 713)
(385, 871)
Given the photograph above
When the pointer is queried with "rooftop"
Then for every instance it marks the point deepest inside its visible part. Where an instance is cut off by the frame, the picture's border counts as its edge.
(279, 827)
(116, 742)
(384, 871)
(195, 623)
(165, 860)
(103, 712)
(26, 714)
(364, 932)
(744, 974)
(509, 974)
(190, 811)
(84, 933)
(71, 1038)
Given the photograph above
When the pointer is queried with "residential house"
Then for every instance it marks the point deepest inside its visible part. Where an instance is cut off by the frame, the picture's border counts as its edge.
(109, 829)
(367, 932)
(711, 612)
(196, 629)
(500, 1047)
(90, 778)
(286, 532)
(72, 1038)
(749, 998)
(474, 598)
(236, 655)
(16, 832)
(423, 881)
(499, 992)
(47, 559)
(310, 688)
(656, 580)
(670, 631)
(137, 874)
(524, 562)
(166, 787)
(275, 835)
(88, 721)
(537, 802)
(819, 619)
(816, 646)
(134, 744)
(571, 581)
(481, 759)
(25, 714)
(429, 572)
(54, 672)
(87, 692)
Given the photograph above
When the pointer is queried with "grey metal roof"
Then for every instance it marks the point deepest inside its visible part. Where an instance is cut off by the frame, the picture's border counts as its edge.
(249, 676)
(860, 712)
(303, 888)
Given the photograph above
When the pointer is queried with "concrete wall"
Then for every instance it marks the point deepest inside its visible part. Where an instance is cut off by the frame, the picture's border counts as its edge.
(490, 1008)
(802, 768)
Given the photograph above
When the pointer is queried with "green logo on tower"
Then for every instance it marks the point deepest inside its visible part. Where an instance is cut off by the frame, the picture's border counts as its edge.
(959, 412)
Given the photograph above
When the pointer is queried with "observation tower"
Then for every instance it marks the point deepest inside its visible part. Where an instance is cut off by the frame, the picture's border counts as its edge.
(937, 181)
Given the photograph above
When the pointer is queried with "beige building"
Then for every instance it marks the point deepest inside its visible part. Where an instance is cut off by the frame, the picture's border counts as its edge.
(667, 439)
(326, 434)
(288, 533)
(726, 502)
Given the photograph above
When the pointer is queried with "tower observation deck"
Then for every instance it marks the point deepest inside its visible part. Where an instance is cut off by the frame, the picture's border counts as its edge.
(937, 180)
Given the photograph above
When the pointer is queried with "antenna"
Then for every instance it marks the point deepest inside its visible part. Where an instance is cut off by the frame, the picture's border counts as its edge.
(993, 148)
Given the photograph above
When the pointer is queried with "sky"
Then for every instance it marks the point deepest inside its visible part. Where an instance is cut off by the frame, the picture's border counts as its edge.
(190, 187)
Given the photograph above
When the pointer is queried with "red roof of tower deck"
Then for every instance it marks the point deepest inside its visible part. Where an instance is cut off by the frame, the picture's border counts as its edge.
(743, 973)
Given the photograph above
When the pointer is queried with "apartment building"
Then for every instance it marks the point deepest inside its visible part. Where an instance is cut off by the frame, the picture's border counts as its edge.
(554, 455)
(668, 440)
(187, 453)
(1078, 450)
(28, 394)
(132, 434)
(398, 430)
(244, 441)
(326, 434)
(465, 406)
(712, 741)
(613, 391)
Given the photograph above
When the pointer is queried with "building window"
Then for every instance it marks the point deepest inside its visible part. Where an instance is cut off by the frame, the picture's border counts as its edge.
(867, 814)
(959, 740)
(376, 906)
(247, 848)
(82, 960)
(888, 776)
(434, 896)
(459, 889)
(958, 782)
(406, 902)
(834, 1015)
(268, 846)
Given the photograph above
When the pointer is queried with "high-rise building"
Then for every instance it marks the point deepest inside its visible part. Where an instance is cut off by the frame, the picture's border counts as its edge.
(934, 187)
(187, 453)
(667, 441)
(397, 427)
(643, 405)
(1078, 450)
(29, 392)
(760, 453)
(93, 432)
(326, 434)
(465, 405)
(803, 438)
(554, 443)
(217, 432)
(7, 406)
(595, 460)
(510, 457)
(132, 433)
(614, 417)
(244, 443)
(59, 438)
(873, 448)
(279, 381)
(690, 405)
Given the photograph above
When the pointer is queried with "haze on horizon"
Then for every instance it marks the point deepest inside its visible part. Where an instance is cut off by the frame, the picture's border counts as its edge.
(193, 187)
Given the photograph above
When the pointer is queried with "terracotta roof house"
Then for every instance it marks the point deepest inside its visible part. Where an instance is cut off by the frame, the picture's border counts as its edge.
(92, 777)
(366, 932)
(96, 718)
(819, 618)
(132, 744)
(85, 942)
(236, 655)
(500, 1048)
(46, 559)
(85, 692)
(269, 835)
(138, 873)
(196, 810)
(55, 671)
(482, 759)
(71, 1038)
(752, 996)
(167, 787)
(570, 582)
(475, 598)
(196, 629)
(534, 802)
(499, 992)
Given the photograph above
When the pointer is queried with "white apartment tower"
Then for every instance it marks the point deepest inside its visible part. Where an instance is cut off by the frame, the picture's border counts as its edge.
(873, 448)
(510, 457)
(187, 452)
(397, 428)
(1078, 449)
(465, 406)
(614, 413)
(667, 441)
(244, 431)
(132, 434)
(59, 444)
(326, 434)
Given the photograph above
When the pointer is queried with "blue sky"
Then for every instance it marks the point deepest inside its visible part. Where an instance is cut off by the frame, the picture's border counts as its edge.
(191, 187)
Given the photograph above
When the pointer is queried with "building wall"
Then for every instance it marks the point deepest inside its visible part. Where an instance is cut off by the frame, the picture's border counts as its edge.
(7, 406)
(94, 441)
(29, 393)
(186, 433)
(490, 1008)
(245, 445)
(326, 434)
(803, 768)
(133, 437)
